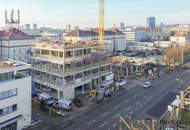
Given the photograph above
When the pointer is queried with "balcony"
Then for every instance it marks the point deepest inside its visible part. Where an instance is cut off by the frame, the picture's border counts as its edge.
(74, 70)
(49, 70)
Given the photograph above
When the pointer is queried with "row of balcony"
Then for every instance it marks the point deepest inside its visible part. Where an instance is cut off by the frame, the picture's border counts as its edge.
(74, 70)
(58, 83)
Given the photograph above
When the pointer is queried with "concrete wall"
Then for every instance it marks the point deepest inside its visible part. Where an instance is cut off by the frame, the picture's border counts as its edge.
(23, 100)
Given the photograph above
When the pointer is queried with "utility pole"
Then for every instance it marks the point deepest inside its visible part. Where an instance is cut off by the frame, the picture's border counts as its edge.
(182, 55)
(158, 67)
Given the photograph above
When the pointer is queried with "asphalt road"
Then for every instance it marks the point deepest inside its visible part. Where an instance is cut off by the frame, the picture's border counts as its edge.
(136, 102)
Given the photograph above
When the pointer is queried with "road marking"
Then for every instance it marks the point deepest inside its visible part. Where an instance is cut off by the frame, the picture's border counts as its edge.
(116, 107)
(117, 115)
(91, 122)
(104, 114)
(129, 108)
(136, 108)
(139, 102)
(103, 124)
(126, 101)
(114, 125)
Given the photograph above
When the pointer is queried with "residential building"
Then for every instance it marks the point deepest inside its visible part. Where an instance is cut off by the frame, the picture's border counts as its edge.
(117, 37)
(26, 26)
(35, 26)
(68, 27)
(15, 95)
(122, 26)
(51, 37)
(132, 35)
(70, 69)
(16, 45)
(180, 40)
(151, 22)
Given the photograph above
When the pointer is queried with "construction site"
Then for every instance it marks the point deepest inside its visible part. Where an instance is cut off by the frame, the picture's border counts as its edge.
(67, 70)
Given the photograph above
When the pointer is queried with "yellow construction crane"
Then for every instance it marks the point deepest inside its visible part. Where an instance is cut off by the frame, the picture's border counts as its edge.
(101, 21)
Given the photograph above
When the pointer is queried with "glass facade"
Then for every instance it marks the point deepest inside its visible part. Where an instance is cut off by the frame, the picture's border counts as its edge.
(6, 76)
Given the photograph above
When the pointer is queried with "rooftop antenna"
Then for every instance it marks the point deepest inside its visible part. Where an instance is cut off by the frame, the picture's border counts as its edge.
(12, 22)
(6, 19)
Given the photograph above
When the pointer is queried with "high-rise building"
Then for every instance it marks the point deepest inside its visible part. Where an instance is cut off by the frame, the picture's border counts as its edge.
(68, 27)
(122, 26)
(151, 22)
(27, 26)
(35, 26)
(15, 95)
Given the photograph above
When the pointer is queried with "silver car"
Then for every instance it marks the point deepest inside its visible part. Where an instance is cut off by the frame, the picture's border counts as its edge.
(147, 85)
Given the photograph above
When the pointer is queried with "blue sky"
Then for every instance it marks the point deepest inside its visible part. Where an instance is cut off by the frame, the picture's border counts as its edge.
(58, 13)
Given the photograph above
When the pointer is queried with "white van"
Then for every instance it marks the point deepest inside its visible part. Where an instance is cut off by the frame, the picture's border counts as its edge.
(63, 104)
(47, 98)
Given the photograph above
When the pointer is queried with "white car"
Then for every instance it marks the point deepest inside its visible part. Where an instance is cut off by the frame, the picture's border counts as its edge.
(121, 83)
(147, 85)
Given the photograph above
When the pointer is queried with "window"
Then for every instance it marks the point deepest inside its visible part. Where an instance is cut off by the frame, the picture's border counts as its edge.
(13, 51)
(1, 111)
(14, 107)
(7, 94)
(8, 110)
(12, 126)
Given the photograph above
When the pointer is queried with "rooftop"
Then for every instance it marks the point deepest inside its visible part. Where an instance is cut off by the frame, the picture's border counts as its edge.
(92, 32)
(61, 46)
(10, 65)
(14, 34)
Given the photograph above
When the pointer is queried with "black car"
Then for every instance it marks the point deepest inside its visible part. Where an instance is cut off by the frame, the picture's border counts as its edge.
(77, 102)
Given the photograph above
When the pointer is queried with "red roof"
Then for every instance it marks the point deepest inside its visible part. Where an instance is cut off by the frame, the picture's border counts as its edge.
(14, 34)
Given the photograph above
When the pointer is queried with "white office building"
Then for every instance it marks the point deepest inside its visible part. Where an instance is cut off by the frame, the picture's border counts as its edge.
(180, 40)
(132, 35)
(15, 95)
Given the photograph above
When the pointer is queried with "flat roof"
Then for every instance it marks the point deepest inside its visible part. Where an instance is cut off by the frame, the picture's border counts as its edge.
(61, 46)
(11, 65)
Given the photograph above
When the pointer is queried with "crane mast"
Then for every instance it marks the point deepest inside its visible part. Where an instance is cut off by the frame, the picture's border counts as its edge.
(101, 21)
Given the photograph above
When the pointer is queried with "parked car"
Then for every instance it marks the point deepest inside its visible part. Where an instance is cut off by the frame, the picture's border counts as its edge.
(186, 66)
(77, 102)
(121, 83)
(47, 98)
(147, 85)
(63, 104)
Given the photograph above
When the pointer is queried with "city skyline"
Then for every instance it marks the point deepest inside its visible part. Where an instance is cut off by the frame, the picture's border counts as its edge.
(85, 14)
